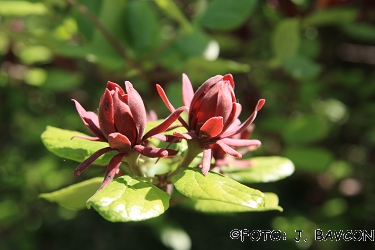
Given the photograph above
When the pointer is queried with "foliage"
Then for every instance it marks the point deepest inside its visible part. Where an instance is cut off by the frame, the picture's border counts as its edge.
(311, 60)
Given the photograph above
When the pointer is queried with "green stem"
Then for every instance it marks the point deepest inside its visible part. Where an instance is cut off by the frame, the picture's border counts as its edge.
(132, 160)
(194, 148)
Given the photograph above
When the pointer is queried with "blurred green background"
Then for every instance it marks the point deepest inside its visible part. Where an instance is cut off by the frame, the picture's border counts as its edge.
(313, 61)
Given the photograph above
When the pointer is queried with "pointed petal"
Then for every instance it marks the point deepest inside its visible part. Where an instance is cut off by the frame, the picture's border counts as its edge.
(240, 142)
(164, 97)
(206, 161)
(112, 169)
(228, 149)
(89, 138)
(90, 119)
(82, 167)
(165, 124)
(137, 108)
(187, 90)
(186, 136)
(124, 121)
(246, 123)
(229, 78)
(167, 138)
(152, 152)
(113, 86)
(106, 114)
(211, 128)
(119, 142)
(236, 111)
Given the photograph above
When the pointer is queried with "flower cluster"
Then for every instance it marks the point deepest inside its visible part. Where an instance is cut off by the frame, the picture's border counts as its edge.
(212, 126)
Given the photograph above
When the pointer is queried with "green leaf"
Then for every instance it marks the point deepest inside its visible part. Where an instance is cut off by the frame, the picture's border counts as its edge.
(286, 39)
(61, 80)
(173, 11)
(129, 199)
(75, 196)
(331, 16)
(214, 186)
(306, 128)
(311, 159)
(60, 142)
(21, 8)
(226, 15)
(143, 26)
(210, 206)
(199, 70)
(262, 169)
(301, 67)
(35, 54)
(362, 31)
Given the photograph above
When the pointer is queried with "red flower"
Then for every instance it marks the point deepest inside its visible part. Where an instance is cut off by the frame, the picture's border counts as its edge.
(213, 116)
(121, 122)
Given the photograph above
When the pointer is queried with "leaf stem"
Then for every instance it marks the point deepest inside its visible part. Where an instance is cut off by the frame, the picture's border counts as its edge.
(132, 161)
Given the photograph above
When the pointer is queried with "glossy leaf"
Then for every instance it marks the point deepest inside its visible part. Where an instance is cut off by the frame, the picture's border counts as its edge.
(286, 39)
(129, 199)
(214, 186)
(210, 206)
(75, 196)
(262, 169)
(226, 15)
(60, 142)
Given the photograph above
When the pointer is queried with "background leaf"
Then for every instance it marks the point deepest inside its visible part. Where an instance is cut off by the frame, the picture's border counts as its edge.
(75, 196)
(60, 142)
(129, 199)
(211, 206)
(193, 184)
(225, 15)
(286, 39)
(262, 169)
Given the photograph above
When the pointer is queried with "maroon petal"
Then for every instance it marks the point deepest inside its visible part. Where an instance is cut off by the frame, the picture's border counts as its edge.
(206, 161)
(236, 111)
(112, 169)
(89, 138)
(106, 114)
(165, 124)
(226, 100)
(187, 90)
(240, 142)
(152, 152)
(211, 128)
(82, 167)
(90, 119)
(167, 138)
(249, 120)
(228, 149)
(119, 141)
(169, 104)
(124, 121)
(138, 110)
(113, 86)
(186, 136)
(164, 97)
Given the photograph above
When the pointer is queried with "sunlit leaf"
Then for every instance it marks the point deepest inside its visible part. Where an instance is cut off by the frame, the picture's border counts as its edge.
(211, 206)
(309, 158)
(226, 15)
(129, 199)
(60, 142)
(21, 8)
(262, 169)
(35, 54)
(75, 196)
(214, 186)
(286, 39)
